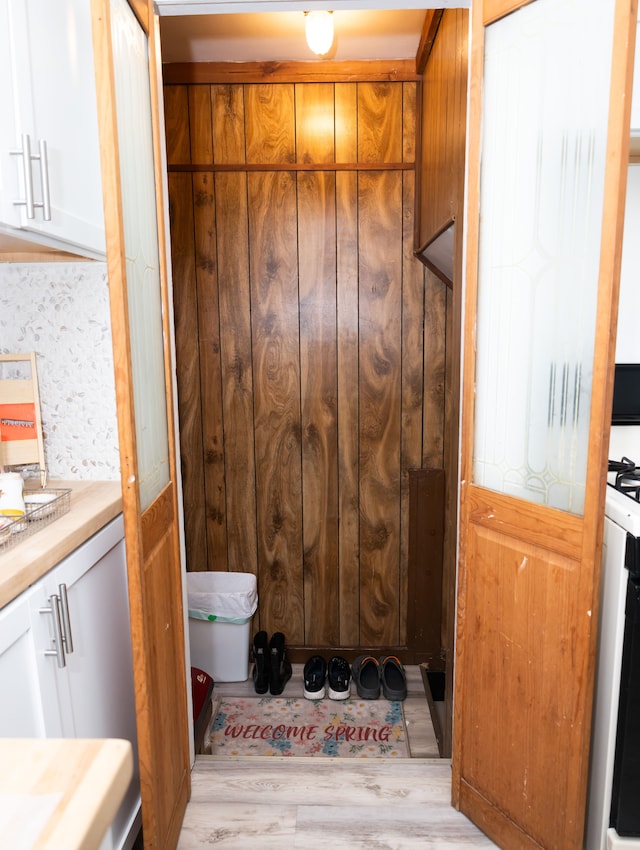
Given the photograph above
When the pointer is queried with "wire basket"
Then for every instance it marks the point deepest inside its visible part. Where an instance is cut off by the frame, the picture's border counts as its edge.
(42, 507)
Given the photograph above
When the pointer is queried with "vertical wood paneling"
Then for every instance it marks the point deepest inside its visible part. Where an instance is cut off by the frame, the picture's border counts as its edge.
(201, 141)
(188, 367)
(450, 444)
(315, 124)
(412, 375)
(380, 122)
(444, 126)
(348, 458)
(237, 370)
(318, 373)
(176, 119)
(210, 368)
(435, 323)
(409, 106)
(270, 123)
(412, 345)
(424, 603)
(441, 170)
(348, 403)
(313, 387)
(380, 295)
(276, 369)
(227, 108)
(346, 112)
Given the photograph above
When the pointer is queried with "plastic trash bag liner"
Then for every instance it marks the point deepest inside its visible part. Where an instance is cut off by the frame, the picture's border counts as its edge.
(225, 597)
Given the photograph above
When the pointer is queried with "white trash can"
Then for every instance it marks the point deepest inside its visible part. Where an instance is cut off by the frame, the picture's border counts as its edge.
(221, 606)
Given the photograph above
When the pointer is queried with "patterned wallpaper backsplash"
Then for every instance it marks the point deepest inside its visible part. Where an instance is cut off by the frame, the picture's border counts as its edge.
(61, 311)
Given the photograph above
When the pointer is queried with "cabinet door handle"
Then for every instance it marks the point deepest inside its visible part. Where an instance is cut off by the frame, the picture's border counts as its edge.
(67, 637)
(25, 153)
(43, 158)
(44, 180)
(58, 648)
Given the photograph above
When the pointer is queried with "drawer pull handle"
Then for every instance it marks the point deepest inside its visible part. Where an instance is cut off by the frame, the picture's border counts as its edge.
(25, 153)
(44, 180)
(27, 158)
(67, 638)
(58, 648)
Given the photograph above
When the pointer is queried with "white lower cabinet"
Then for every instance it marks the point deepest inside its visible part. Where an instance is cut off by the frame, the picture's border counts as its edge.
(21, 707)
(65, 659)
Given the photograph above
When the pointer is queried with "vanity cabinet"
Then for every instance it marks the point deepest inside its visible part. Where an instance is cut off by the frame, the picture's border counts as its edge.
(50, 182)
(65, 658)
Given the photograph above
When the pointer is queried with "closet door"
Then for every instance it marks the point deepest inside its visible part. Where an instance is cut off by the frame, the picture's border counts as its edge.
(140, 314)
(550, 88)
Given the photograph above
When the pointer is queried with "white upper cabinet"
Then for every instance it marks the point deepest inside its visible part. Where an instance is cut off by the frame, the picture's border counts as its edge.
(49, 148)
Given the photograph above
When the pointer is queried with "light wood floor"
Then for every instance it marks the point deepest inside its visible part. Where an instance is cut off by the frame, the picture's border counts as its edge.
(317, 803)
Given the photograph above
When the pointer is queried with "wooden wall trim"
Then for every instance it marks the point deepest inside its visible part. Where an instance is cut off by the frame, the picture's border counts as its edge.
(401, 70)
(295, 166)
(142, 9)
(428, 37)
(493, 10)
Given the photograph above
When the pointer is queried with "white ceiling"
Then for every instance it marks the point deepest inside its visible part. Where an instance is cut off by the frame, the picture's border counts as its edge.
(278, 36)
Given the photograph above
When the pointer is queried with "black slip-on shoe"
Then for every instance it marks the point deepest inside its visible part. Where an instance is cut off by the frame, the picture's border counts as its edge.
(280, 666)
(315, 671)
(261, 665)
(366, 675)
(394, 681)
(339, 678)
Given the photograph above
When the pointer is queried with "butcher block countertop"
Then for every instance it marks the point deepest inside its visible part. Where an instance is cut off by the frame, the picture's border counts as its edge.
(61, 794)
(93, 505)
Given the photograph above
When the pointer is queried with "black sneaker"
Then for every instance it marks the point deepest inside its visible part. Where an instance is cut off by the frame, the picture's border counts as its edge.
(339, 678)
(315, 671)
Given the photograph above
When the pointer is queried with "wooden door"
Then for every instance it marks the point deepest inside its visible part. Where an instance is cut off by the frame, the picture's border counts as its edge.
(124, 44)
(550, 83)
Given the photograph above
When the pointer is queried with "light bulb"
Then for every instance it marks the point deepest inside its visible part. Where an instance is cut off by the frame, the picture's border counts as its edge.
(319, 31)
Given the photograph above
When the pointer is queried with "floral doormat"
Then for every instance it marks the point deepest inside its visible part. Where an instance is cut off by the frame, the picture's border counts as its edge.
(278, 726)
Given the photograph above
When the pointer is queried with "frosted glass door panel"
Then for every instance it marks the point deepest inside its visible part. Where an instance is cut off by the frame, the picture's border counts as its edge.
(545, 118)
(133, 104)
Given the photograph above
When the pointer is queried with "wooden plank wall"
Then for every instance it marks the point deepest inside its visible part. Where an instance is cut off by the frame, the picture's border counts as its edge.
(304, 347)
(441, 169)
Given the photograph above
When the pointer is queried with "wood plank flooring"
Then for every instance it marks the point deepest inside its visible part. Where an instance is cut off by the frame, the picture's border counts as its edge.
(341, 804)
(275, 802)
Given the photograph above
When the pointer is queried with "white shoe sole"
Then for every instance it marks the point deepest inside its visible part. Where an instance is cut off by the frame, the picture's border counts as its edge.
(313, 694)
(339, 694)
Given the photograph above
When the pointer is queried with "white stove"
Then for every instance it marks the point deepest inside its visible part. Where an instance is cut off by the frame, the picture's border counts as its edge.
(622, 521)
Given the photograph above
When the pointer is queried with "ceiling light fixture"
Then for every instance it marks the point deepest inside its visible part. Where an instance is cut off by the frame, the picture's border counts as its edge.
(319, 31)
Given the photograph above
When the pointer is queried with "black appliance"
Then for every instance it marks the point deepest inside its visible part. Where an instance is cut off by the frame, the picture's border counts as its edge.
(626, 394)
